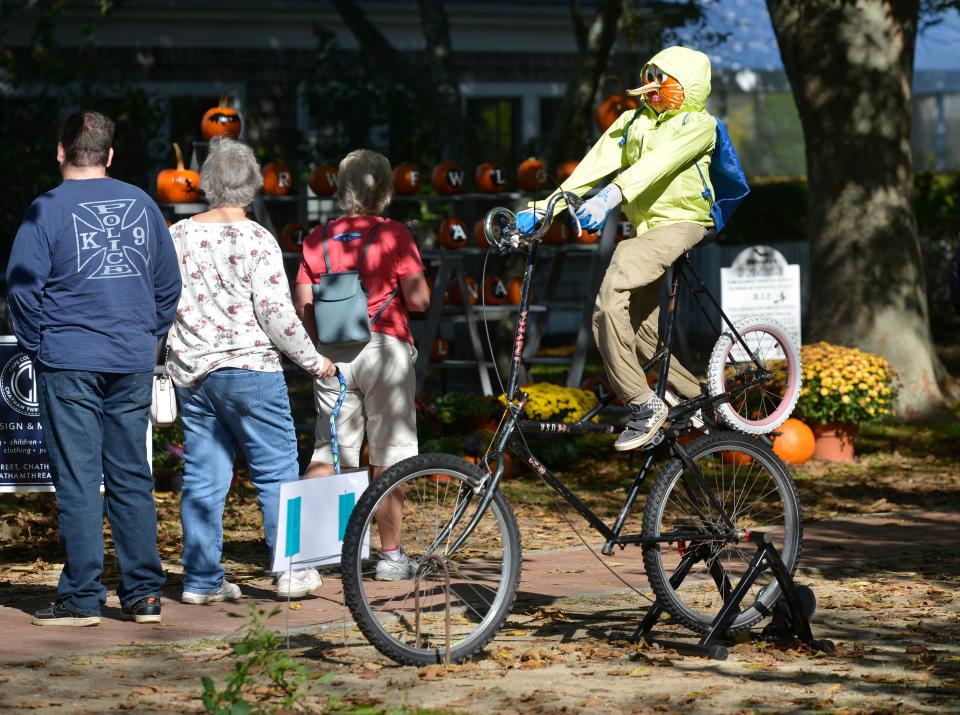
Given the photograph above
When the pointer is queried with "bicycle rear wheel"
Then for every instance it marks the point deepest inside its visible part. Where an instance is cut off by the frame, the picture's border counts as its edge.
(407, 619)
(755, 490)
(758, 403)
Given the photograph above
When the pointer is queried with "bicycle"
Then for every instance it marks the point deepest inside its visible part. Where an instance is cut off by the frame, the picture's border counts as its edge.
(462, 533)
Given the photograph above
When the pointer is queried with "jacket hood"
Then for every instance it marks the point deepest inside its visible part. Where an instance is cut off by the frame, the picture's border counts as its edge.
(692, 69)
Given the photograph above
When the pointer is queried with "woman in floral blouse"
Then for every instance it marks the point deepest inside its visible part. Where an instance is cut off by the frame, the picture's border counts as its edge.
(234, 319)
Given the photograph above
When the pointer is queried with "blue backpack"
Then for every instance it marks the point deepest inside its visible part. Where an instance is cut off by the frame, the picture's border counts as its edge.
(727, 177)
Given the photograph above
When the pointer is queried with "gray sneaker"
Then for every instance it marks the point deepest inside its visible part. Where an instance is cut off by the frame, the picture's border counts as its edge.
(398, 569)
(227, 592)
(645, 420)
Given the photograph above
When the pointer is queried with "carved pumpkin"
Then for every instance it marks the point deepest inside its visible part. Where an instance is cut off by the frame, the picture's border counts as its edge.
(323, 180)
(292, 236)
(532, 175)
(494, 291)
(178, 186)
(406, 180)
(565, 169)
(447, 178)
(441, 349)
(515, 291)
(795, 443)
(454, 292)
(277, 180)
(479, 235)
(222, 120)
(490, 178)
(453, 233)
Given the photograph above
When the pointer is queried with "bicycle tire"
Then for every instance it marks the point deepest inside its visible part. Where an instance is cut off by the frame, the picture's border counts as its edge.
(376, 625)
(717, 377)
(681, 602)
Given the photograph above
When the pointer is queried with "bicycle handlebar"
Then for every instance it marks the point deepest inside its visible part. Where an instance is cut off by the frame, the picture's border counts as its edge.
(500, 224)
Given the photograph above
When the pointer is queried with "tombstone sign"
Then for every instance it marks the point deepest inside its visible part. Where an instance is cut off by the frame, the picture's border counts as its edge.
(24, 466)
(761, 283)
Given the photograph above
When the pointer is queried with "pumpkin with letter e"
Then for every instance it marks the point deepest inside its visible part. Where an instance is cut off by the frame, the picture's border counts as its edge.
(178, 186)
(222, 120)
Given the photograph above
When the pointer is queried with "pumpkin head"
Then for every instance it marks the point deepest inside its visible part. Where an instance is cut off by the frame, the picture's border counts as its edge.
(453, 233)
(292, 236)
(447, 178)
(222, 120)
(515, 291)
(178, 186)
(406, 180)
(494, 291)
(490, 178)
(532, 175)
(323, 180)
(795, 443)
(277, 180)
(565, 169)
(441, 349)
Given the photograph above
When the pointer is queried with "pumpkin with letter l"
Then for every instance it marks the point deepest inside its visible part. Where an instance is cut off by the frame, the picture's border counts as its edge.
(222, 120)
(178, 186)
(490, 178)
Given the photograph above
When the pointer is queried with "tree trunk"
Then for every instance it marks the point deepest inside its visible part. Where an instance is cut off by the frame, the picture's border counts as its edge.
(850, 64)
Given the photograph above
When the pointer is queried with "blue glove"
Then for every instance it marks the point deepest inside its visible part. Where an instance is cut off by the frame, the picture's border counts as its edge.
(527, 220)
(595, 211)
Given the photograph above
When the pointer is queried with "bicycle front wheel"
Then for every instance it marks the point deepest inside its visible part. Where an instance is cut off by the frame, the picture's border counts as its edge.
(754, 489)
(456, 599)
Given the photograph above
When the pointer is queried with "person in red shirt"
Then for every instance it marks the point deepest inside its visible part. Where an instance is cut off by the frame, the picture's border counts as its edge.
(380, 375)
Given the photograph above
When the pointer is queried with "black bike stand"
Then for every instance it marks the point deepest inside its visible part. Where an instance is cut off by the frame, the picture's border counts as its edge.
(792, 611)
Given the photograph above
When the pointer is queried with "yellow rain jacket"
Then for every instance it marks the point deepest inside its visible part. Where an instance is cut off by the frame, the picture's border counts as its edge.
(659, 181)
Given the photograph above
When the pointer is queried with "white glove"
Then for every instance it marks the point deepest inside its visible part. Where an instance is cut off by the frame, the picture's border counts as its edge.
(595, 211)
(527, 220)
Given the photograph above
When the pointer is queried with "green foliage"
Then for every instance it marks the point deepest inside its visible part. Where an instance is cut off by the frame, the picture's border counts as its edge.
(458, 410)
(264, 679)
(936, 199)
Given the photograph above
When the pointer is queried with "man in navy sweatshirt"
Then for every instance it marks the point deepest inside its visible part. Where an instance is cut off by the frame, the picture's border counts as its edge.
(93, 283)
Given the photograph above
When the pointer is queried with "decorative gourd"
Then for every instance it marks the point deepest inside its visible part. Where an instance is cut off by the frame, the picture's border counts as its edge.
(447, 178)
(479, 235)
(532, 175)
(178, 186)
(222, 120)
(565, 169)
(490, 178)
(276, 179)
(441, 349)
(494, 291)
(323, 180)
(406, 180)
(292, 236)
(515, 291)
(453, 233)
(795, 443)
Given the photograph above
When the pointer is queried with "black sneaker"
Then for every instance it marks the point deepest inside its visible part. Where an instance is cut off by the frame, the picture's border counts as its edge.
(146, 610)
(60, 615)
(643, 424)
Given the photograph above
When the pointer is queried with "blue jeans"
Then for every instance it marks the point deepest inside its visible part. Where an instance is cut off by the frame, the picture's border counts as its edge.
(231, 408)
(95, 423)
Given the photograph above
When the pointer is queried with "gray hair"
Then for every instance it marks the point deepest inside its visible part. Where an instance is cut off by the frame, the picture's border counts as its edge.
(364, 182)
(230, 175)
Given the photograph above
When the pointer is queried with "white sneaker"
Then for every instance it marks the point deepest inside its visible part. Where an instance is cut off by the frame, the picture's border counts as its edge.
(227, 592)
(696, 419)
(298, 583)
(396, 569)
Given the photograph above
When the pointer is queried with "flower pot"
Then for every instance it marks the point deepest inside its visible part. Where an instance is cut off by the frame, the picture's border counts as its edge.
(835, 441)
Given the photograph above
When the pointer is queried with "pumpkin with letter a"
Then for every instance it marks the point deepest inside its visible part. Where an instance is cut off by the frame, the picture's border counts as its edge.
(490, 178)
(276, 179)
(515, 291)
(292, 236)
(795, 443)
(323, 180)
(532, 175)
(565, 169)
(406, 180)
(178, 186)
(222, 120)
(453, 292)
(441, 349)
(453, 233)
(447, 178)
(494, 291)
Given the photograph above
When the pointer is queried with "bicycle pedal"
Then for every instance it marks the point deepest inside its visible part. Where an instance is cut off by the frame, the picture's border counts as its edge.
(657, 439)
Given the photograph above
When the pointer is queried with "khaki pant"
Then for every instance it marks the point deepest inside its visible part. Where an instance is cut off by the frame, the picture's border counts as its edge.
(627, 312)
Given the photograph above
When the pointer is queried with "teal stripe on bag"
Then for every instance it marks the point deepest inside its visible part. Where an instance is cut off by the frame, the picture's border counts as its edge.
(293, 527)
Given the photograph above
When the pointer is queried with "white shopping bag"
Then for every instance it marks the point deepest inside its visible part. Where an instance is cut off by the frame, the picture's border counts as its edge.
(313, 519)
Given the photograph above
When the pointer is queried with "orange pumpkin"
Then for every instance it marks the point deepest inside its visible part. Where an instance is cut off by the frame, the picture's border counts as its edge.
(323, 180)
(178, 186)
(441, 349)
(454, 292)
(515, 291)
(447, 178)
(586, 237)
(795, 443)
(490, 178)
(556, 235)
(406, 180)
(222, 120)
(292, 236)
(479, 235)
(611, 108)
(276, 179)
(494, 291)
(453, 233)
(532, 175)
(735, 459)
(565, 169)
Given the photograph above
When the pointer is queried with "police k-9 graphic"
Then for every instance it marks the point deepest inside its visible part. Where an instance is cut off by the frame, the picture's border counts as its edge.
(24, 465)
(112, 239)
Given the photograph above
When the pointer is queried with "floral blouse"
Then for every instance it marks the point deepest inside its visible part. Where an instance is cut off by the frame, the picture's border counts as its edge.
(235, 308)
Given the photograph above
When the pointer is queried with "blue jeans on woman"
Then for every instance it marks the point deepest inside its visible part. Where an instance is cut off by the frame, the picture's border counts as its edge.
(95, 429)
(230, 409)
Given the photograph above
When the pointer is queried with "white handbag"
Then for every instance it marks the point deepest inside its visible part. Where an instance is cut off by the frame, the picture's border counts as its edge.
(163, 406)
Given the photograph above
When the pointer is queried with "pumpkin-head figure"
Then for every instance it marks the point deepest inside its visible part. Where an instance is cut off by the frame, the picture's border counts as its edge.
(221, 120)
(660, 91)
(675, 78)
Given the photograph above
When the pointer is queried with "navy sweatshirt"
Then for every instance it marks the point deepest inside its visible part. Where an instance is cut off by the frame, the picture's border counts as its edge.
(93, 278)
